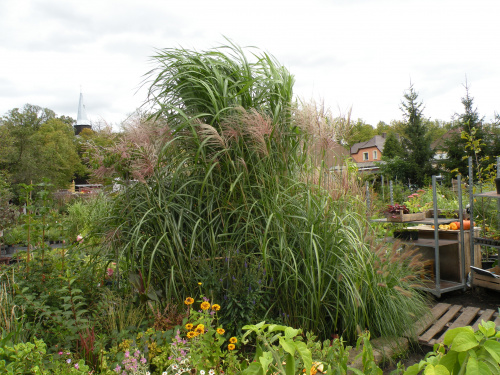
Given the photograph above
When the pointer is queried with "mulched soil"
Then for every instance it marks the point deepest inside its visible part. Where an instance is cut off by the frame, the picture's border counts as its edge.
(477, 297)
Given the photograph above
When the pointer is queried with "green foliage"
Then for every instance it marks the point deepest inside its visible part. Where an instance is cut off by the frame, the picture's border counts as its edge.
(32, 358)
(360, 132)
(463, 352)
(416, 141)
(7, 211)
(208, 85)
(392, 147)
(247, 188)
(281, 350)
(85, 217)
(38, 145)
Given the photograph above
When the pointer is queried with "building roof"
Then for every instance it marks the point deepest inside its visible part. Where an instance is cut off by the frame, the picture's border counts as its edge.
(438, 144)
(377, 141)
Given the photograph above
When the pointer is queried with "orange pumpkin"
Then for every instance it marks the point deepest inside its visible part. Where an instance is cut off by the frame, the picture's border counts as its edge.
(466, 224)
(455, 225)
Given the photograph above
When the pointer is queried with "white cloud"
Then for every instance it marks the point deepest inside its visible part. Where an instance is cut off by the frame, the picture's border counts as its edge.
(359, 53)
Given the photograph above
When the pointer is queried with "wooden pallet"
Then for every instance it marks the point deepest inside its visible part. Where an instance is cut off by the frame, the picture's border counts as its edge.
(432, 329)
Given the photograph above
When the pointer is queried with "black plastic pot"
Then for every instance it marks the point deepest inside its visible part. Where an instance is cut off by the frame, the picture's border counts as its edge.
(487, 264)
(403, 235)
(497, 183)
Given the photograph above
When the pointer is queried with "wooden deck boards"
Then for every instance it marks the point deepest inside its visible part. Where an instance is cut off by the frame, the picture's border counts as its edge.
(431, 330)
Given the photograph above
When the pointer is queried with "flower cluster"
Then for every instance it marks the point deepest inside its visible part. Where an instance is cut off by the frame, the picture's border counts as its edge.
(133, 364)
(203, 349)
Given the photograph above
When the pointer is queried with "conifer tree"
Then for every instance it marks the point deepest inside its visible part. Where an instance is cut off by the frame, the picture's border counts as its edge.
(392, 147)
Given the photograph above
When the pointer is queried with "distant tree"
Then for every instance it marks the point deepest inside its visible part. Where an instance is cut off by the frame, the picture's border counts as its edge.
(7, 212)
(360, 132)
(416, 141)
(469, 124)
(437, 128)
(38, 144)
(470, 118)
(382, 127)
(415, 162)
(392, 147)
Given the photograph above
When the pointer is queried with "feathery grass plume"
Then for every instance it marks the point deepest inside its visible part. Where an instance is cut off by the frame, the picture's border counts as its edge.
(11, 315)
(238, 181)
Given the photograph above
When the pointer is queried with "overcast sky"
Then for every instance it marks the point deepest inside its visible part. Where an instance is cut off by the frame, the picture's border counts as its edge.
(348, 53)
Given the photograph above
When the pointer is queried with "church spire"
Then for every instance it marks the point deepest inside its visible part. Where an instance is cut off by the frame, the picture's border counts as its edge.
(82, 122)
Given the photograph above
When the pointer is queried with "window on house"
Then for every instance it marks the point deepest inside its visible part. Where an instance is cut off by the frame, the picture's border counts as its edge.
(375, 156)
(365, 155)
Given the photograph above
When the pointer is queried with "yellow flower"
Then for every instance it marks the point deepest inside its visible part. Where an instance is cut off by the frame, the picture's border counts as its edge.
(233, 340)
(205, 305)
(189, 301)
(220, 331)
(191, 334)
(215, 307)
(199, 283)
(230, 347)
(189, 326)
(200, 328)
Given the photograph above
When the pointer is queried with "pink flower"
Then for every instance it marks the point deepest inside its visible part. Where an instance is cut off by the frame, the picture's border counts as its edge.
(60, 353)
(110, 272)
(76, 366)
(79, 238)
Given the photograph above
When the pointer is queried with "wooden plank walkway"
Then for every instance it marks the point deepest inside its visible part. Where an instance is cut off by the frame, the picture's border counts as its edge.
(432, 329)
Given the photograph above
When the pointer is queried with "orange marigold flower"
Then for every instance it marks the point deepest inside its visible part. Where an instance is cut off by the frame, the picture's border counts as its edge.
(189, 301)
(205, 305)
(230, 347)
(215, 307)
(220, 331)
(189, 326)
(233, 340)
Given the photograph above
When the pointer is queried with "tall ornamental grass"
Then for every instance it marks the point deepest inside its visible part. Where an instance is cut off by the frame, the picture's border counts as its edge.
(240, 189)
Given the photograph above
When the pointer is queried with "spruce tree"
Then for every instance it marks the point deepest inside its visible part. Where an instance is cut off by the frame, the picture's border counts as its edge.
(392, 147)
(416, 141)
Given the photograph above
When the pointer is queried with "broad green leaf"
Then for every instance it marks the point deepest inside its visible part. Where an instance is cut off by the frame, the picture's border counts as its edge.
(452, 333)
(253, 369)
(290, 332)
(265, 360)
(493, 347)
(276, 327)
(492, 365)
(414, 369)
(436, 370)
(450, 360)
(287, 345)
(464, 341)
(473, 367)
(487, 328)
(305, 354)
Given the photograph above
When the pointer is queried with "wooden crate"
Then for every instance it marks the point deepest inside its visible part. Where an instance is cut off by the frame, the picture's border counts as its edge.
(486, 281)
(402, 218)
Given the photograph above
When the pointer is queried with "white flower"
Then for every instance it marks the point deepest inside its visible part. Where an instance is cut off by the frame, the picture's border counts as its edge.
(202, 372)
(211, 372)
(174, 367)
(148, 373)
(164, 373)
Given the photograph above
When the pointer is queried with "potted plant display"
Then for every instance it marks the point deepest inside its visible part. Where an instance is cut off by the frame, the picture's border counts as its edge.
(401, 213)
